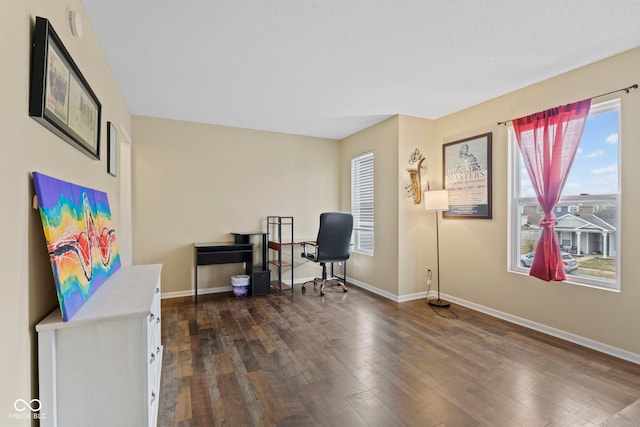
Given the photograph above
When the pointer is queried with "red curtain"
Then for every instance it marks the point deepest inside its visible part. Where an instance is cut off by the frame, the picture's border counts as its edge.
(548, 141)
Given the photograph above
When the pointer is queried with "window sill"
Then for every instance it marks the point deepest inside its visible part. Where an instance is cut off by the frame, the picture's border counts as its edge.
(571, 280)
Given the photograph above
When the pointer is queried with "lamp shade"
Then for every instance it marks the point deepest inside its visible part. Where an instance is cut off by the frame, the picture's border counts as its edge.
(436, 200)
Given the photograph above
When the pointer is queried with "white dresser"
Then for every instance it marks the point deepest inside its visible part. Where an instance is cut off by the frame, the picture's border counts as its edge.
(102, 367)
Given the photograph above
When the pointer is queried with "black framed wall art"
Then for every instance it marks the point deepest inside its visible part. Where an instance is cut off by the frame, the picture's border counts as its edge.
(467, 176)
(112, 149)
(59, 97)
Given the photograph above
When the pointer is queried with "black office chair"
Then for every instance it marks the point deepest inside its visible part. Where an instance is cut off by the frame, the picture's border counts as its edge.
(332, 245)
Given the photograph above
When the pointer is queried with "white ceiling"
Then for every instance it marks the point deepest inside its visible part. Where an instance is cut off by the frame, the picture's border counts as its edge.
(329, 68)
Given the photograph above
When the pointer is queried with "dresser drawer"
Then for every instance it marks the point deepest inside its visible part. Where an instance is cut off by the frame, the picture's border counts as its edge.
(154, 352)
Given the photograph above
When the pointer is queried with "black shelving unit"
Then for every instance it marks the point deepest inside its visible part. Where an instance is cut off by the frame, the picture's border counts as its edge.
(281, 246)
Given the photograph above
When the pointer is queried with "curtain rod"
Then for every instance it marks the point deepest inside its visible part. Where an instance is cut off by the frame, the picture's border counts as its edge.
(626, 89)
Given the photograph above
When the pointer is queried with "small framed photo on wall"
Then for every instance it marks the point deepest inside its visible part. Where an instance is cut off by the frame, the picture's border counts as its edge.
(112, 149)
(466, 173)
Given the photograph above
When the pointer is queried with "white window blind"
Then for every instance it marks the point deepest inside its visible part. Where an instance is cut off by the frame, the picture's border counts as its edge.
(362, 202)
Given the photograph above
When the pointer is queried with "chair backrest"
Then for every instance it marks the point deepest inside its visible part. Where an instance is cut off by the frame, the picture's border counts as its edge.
(334, 237)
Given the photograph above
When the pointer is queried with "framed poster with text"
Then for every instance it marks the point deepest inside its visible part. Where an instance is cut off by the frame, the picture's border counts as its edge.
(466, 168)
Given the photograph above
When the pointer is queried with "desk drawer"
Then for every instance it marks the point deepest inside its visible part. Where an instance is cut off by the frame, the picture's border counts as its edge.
(224, 257)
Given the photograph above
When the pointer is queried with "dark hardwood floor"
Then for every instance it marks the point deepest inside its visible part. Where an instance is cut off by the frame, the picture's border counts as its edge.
(358, 359)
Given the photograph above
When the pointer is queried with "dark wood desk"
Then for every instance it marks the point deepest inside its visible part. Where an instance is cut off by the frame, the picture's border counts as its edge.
(222, 253)
(245, 238)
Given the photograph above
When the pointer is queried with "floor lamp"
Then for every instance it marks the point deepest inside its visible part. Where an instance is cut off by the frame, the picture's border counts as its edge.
(437, 201)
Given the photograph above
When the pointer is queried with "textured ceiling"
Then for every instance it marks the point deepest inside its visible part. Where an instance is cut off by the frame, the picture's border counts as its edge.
(329, 68)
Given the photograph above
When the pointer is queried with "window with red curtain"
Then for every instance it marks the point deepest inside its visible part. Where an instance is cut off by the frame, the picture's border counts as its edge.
(588, 226)
(548, 141)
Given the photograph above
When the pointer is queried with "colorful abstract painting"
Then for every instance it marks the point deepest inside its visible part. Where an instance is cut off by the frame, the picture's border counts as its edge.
(80, 239)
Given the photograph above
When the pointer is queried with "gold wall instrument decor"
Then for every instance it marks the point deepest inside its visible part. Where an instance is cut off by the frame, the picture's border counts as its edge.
(414, 188)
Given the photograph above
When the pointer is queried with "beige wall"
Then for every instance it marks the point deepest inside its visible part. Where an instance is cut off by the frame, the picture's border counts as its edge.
(474, 252)
(414, 224)
(381, 269)
(197, 183)
(397, 267)
(28, 290)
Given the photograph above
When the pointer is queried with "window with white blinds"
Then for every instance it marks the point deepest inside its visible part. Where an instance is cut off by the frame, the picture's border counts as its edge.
(362, 202)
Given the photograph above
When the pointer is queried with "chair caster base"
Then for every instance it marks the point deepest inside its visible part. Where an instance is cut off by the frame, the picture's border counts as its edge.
(323, 284)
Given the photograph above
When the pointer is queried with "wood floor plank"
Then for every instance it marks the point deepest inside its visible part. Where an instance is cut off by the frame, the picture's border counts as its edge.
(628, 417)
(267, 391)
(234, 410)
(373, 410)
(358, 359)
(183, 404)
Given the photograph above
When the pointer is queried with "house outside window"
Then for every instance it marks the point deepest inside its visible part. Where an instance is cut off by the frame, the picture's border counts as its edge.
(362, 190)
(588, 227)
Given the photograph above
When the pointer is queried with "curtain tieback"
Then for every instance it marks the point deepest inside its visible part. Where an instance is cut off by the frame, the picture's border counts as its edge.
(549, 221)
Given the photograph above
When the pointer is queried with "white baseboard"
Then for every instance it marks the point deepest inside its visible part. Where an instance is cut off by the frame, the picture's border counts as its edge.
(388, 295)
(558, 333)
(218, 290)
